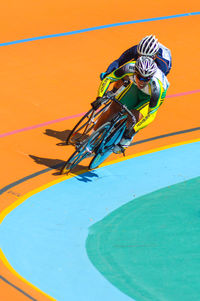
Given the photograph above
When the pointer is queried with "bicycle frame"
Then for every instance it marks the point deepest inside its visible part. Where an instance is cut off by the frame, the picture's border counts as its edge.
(101, 142)
(116, 137)
(114, 134)
(85, 125)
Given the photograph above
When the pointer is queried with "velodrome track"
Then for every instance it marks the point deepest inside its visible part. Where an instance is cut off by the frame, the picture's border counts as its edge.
(51, 58)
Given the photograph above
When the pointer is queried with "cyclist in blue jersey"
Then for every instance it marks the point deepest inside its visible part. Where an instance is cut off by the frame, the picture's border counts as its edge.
(148, 46)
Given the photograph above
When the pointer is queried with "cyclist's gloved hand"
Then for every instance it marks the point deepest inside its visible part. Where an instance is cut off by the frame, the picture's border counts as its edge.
(103, 75)
(97, 103)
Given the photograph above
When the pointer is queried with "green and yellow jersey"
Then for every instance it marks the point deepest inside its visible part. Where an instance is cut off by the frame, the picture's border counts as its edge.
(146, 100)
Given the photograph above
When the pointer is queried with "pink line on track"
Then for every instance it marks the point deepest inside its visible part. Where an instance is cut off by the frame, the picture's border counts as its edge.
(183, 93)
(40, 125)
(75, 116)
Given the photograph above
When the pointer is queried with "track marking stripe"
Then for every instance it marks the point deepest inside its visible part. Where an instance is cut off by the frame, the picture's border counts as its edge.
(98, 28)
(6, 211)
(17, 288)
(57, 166)
(10, 268)
(77, 115)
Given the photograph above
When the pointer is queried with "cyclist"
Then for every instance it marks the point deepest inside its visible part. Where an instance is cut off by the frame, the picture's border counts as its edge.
(142, 87)
(148, 46)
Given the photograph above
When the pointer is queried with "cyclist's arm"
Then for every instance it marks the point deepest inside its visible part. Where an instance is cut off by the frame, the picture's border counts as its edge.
(116, 75)
(145, 121)
(157, 96)
(129, 54)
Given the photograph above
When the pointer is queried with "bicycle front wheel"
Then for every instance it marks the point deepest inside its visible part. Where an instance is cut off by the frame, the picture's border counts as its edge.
(106, 147)
(86, 149)
(83, 128)
(73, 161)
(99, 159)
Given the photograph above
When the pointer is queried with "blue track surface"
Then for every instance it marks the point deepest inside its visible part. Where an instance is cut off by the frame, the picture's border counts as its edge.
(44, 238)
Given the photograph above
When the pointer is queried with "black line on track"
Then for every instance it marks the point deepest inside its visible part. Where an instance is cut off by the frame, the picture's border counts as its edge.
(11, 185)
(17, 288)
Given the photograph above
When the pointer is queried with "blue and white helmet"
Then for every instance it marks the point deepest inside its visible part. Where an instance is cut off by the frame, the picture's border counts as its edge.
(146, 66)
(148, 46)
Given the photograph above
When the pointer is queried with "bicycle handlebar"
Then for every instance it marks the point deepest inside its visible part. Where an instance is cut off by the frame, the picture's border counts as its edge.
(124, 107)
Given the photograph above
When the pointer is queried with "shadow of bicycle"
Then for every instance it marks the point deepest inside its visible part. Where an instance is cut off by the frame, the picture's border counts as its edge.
(86, 176)
(61, 135)
(80, 171)
(52, 163)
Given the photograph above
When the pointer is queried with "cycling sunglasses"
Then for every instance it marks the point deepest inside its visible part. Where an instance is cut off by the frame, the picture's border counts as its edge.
(144, 79)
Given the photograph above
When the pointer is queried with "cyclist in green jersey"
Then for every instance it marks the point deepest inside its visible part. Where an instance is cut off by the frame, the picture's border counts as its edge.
(142, 87)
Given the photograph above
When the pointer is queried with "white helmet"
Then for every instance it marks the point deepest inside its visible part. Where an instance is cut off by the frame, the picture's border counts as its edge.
(148, 46)
(145, 66)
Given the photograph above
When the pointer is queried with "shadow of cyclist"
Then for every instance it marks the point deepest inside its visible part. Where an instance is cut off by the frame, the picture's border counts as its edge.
(86, 176)
(61, 135)
(56, 164)
(52, 163)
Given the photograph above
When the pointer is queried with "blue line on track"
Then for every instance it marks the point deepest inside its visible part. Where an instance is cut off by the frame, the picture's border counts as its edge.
(98, 28)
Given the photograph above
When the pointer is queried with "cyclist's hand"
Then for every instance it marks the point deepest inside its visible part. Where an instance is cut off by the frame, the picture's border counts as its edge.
(103, 75)
(97, 103)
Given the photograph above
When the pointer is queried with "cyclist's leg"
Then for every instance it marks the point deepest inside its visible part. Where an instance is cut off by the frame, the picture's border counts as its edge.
(130, 133)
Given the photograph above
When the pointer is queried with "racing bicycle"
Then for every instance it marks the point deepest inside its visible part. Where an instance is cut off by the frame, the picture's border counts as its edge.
(99, 143)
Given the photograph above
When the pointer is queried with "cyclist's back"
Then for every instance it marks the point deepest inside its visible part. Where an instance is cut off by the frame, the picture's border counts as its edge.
(161, 55)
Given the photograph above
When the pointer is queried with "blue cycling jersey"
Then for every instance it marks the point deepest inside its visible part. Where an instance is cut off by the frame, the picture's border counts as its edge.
(163, 59)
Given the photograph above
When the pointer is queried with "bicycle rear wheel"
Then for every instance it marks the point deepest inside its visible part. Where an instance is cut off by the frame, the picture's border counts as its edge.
(83, 128)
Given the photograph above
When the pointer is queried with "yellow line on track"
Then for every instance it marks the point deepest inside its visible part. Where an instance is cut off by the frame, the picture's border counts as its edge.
(10, 268)
(6, 211)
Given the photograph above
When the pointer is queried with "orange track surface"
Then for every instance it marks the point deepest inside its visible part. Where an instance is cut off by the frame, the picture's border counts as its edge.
(49, 79)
